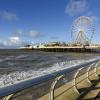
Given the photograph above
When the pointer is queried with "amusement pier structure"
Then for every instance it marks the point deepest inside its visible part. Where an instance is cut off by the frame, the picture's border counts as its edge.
(82, 33)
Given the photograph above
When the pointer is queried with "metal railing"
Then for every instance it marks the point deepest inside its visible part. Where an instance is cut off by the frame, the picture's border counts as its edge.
(75, 83)
(8, 92)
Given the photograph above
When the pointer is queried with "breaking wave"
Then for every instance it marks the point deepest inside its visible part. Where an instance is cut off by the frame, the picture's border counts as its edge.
(21, 56)
(19, 76)
(13, 58)
(7, 58)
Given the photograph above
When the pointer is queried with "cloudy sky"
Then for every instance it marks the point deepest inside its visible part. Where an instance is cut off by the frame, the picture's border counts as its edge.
(35, 21)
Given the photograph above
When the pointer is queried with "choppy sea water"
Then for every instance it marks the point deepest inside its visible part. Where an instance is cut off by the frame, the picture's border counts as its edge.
(20, 65)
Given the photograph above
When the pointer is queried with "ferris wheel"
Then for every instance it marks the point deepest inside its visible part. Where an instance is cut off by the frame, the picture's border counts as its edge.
(82, 30)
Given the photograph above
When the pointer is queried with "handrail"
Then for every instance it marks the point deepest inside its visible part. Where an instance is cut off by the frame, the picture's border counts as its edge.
(53, 87)
(75, 77)
(32, 82)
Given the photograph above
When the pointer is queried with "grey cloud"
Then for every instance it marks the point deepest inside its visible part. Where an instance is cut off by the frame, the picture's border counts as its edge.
(18, 33)
(34, 34)
(8, 15)
(75, 7)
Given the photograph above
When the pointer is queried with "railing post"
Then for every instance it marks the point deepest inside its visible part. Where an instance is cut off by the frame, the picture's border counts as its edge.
(95, 69)
(88, 72)
(74, 80)
(53, 86)
(98, 69)
(8, 97)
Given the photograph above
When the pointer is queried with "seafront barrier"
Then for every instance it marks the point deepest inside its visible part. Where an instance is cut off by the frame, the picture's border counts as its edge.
(76, 83)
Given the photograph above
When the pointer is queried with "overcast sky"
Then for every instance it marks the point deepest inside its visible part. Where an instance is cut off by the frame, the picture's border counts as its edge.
(35, 21)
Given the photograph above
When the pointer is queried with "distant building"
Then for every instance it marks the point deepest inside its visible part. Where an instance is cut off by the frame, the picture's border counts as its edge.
(27, 47)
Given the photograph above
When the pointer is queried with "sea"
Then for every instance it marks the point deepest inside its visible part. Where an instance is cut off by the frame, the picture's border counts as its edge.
(21, 65)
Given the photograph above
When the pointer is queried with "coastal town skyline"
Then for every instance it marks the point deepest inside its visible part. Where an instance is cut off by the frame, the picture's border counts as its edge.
(36, 21)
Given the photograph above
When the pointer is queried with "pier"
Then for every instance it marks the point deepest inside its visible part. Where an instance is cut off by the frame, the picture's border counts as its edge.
(69, 49)
(82, 33)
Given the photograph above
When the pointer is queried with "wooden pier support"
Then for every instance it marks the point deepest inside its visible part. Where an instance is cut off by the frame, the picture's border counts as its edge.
(63, 49)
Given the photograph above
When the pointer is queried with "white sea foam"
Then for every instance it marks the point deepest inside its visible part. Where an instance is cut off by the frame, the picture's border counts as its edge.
(7, 58)
(1, 60)
(19, 76)
(21, 56)
(14, 57)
